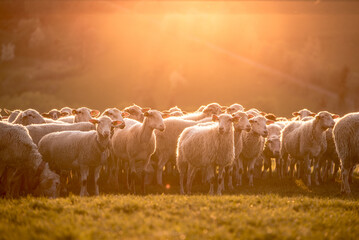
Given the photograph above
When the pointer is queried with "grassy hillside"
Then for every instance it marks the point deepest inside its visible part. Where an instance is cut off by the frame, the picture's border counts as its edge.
(271, 210)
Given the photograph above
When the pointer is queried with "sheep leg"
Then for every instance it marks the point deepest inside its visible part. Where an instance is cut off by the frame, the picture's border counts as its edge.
(84, 171)
(230, 177)
(316, 171)
(345, 188)
(266, 166)
(97, 176)
(307, 170)
(191, 172)
(240, 171)
(251, 172)
(162, 160)
(220, 180)
(336, 168)
(127, 175)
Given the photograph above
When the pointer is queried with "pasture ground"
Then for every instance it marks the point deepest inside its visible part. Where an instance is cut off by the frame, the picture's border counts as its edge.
(270, 210)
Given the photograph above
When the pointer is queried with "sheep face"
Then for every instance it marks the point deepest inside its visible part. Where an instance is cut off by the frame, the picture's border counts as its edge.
(115, 114)
(224, 122)
(273, 143)
(29, 116)
(303, 113)
(154, 120)
(258, 125)
(325, 119)
(234, 108)
(54, 114)
(243, 122)
(105, 126)
(66, 111)
(213, 108)
(135, 112)
(84, 114)
(49, 185)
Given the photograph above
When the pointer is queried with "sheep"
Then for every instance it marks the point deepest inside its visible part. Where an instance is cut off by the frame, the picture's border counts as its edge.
(29, 116)
(304, 141)
(234, 108)
(242, 125)
(175, 109)
(166, 142)
(54, 114)
(136, 143)
(113, 166)
(272, 148)
(212, 108)
(82, 114)
(329, 157)
(253, 142)
(22, 170)
(346, 142)
(77, 150)
(206, 146)
(66, 111)
(12, 114)
(37, 131)
(302, 114)
(136, 112)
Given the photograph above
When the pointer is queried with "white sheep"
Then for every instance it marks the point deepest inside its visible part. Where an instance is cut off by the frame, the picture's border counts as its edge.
(346, 142)
(66, 111)
(37, 131)
(136, 112)
(242, 125)
(304, 141)
(12, 114)
(82, 114)
(29, 116)
(54, 114)
(302, 114)
(206, 146)
(208, 111)
(136, 143)
(77, 150)
(166, 142)
(253, 143)
(234, 108)
(22, 169)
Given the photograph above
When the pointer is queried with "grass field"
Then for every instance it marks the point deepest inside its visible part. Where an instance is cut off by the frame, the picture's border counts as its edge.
(271, 210)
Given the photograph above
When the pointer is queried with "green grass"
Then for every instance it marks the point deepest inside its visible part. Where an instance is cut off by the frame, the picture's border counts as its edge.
(271, 210)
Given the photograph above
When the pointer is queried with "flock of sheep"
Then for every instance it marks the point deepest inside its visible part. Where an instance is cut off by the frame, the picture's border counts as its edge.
(45, 154)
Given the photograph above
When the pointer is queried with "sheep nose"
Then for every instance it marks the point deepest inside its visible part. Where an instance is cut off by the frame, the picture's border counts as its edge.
(123, 125)
(248, 128)
(161, 128)
(265, 133)
(221, 129)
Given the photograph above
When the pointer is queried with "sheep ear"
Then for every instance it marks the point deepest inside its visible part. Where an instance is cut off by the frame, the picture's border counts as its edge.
(7, 111)
(250, 116)
(263, 113)
(145, 109)
(165, 115)
(93, 121)
(251, 120)
(317, 117)
(116, 123)
(184, 112)
(235, 119)
(224, 108)
(146, 114)
(47, 115)
(64, 114)
(214, 118)
(94, 113)
(74, 111)
(125, 114)
(312, 114)
(334, 116)
(269, 122)
(295, 114)
(166, 112)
